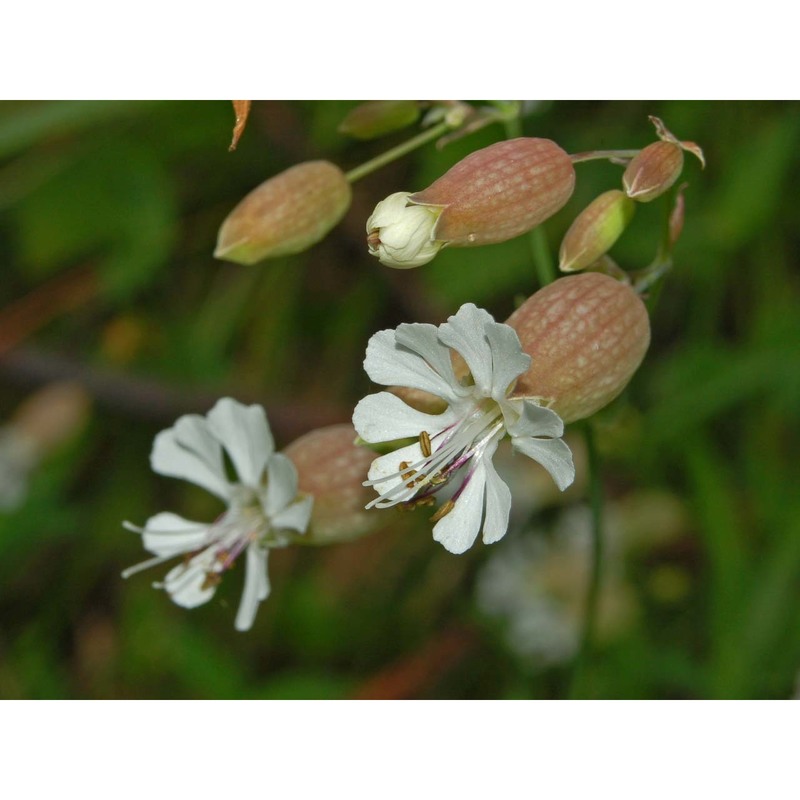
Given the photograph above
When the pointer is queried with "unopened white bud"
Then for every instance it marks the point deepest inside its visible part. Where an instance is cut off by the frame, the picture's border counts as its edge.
(401, 234)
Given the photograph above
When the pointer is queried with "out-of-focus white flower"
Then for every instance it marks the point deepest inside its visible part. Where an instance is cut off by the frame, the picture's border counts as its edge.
(454, 449)
(263, 505)
(400, 234)
(536, 585)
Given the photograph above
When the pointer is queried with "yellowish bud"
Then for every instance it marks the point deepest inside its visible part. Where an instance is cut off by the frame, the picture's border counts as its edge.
(586, 335)
(286, 214)
(378, 117)
(400, 234)
(595, 230)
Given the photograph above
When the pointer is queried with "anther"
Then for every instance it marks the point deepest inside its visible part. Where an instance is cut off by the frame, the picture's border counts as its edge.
(211, 579)
(425, 443)
(408, 476)
(443, 511)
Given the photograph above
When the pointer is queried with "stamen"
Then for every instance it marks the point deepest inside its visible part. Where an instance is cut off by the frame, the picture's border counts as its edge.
(443, 511)
(408, 475)
(425, 443)
(151, 562)
(435, 468)
(212, 579)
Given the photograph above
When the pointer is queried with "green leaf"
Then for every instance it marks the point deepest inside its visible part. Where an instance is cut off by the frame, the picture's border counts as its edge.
(753, 183)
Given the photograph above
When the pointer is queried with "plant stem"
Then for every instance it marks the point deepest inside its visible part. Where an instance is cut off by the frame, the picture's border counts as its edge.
(594, 155)
(577, 688)
(649, 279)
(537, 239)
(383, 159)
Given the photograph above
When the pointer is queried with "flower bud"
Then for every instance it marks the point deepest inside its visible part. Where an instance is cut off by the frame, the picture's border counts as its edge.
(499, 192)
(401, 235)
(332, 468)
(653, 171)
(677, 216)
(595, 230)
(286, 214)
(378, 117)
(586, 335)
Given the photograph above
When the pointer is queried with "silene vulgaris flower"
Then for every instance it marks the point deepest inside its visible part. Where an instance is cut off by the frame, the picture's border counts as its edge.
(451, 458)
(263, 511)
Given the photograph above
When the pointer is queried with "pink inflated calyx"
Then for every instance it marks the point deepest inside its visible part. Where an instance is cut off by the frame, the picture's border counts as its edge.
(500, 192)
(586, 336)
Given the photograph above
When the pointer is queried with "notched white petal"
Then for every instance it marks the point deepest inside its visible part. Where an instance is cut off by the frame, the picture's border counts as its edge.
(387, 476)
(256, 587)
(424, 340)
(508, 360)
(458, 530)
(281, 484)
(530, 419)
(188, 585)
(465, 332)
(168, 535)
(390, 364)
(295, 516)
(197, 459)
(384, 417)
(498, 502)
(244, 433)
(553, 455)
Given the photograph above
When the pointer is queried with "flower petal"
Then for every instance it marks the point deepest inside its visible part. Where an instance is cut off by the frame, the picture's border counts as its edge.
(465, 332)
(531, 419)
(391, 364)
(168, 535)
(459, 529)
(281, 485)
(188, 450)
(423, 340)
(295, 516)
(498, 501)
(508, 360)
(384, 417)
(244, 432)
(186, 584)
(256, 587)
(385, 471)
(552, 454)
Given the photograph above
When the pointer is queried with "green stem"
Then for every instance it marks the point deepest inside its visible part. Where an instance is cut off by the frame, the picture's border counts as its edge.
(540, 253)
(650, 278)
(594, 155)
(577, 689)
(383, 159)
(537, 239)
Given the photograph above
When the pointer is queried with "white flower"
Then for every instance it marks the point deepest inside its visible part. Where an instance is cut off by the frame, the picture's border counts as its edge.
(263, 505)
(401, 234)
(455, 448)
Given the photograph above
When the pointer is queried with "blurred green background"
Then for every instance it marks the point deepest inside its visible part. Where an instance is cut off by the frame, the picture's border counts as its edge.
(109, 218)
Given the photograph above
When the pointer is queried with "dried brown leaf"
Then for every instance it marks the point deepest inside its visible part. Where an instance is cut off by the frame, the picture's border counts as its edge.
(242, 110)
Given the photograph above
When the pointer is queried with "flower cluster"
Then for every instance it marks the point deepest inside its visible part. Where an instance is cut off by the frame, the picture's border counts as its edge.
(455, 391)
